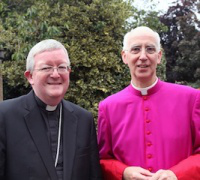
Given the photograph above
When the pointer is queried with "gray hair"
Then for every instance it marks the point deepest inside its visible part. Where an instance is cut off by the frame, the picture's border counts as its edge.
(45, 45)
(139, 29)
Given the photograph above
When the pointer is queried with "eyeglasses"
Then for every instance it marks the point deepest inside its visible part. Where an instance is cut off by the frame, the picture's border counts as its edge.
(50, 69)
(137, 49)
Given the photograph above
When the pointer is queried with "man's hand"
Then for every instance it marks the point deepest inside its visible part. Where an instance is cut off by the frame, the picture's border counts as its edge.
(164, 175)
(136, 173)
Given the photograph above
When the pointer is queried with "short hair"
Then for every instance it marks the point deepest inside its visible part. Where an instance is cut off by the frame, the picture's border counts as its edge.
(45, 45)
(139, 29)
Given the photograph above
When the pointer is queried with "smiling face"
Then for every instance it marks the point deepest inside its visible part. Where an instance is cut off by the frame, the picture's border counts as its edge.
(142, 56)
(50, 87)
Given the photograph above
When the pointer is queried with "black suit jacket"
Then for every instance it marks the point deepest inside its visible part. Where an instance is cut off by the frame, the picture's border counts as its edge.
(25, 152)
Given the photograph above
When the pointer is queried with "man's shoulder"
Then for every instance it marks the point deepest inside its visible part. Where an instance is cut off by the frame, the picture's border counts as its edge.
(118, 96)
(81, 115)
(9, 103)
(73, 107)
(179, 88)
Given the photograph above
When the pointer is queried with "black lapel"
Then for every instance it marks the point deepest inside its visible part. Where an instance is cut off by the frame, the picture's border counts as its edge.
(37, 129)
(69, 139)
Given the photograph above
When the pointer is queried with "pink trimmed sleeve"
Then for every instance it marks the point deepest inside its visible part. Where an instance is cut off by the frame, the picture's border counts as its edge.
(112, 169)
(104, 134)
(189, 169)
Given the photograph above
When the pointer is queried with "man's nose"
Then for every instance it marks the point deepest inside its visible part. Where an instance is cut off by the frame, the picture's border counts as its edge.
(55, 73)
(143, 54)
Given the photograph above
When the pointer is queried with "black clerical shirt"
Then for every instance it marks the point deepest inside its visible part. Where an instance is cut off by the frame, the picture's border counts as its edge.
(51, 119)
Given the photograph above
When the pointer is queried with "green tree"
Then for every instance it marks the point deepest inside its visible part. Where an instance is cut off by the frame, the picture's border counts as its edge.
(92, 32)
(182, 43)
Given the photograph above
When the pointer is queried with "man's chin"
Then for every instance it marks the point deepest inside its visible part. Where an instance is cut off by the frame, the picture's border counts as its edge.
(56, 95)
(143, 76)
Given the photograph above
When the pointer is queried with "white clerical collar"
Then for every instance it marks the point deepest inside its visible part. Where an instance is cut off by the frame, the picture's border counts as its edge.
(144, 91)
(51, 108)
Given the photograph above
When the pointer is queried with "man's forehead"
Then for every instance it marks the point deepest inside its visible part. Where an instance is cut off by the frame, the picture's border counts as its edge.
(142, 39)
(47, 51)
(142, 35)
(141, 44)
(142, 31)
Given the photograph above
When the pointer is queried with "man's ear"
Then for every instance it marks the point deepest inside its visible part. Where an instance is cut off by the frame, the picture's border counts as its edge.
(159, 57)
(29, 77)
(124, 57)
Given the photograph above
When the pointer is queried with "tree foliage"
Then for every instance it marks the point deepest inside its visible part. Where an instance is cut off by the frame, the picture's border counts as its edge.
(182, 43)
(92, 32)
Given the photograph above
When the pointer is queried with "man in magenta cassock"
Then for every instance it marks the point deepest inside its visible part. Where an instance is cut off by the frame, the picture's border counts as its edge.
(151, 129)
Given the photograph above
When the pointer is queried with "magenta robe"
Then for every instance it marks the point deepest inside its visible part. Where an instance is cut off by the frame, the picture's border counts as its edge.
(156, 131)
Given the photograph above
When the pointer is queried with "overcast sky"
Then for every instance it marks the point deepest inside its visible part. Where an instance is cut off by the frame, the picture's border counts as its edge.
(161, 5)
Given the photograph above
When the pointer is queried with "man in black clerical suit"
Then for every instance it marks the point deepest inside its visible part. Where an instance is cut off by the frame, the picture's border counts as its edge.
(42, 136)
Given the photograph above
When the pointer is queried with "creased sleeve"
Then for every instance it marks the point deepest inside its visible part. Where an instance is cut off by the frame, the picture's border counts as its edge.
(196, 125)
(190, 168)
(104, 134)
(112, 169)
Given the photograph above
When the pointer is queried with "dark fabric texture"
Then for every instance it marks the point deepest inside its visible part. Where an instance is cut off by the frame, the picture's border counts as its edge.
(25, 151)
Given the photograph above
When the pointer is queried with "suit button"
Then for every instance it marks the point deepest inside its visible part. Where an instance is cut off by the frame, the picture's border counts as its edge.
(148, 132)
(145, 97)
(149, 156)
(148, 121)
(149, 144)
(146, 109)
(150, 169)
